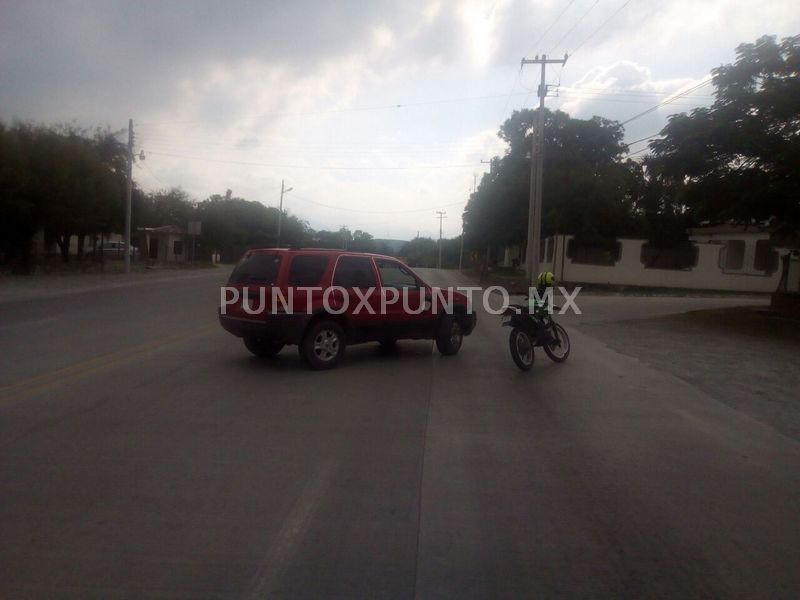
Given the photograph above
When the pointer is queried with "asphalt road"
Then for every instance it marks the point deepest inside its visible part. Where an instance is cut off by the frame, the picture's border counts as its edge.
(145, 454)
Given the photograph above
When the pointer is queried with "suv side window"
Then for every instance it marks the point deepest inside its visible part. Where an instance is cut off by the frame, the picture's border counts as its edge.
(354, 272)
(257, 268)
(307, 270)
(395, 275)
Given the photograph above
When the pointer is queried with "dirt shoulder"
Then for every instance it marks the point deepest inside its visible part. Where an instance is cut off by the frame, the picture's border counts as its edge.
(743, 357)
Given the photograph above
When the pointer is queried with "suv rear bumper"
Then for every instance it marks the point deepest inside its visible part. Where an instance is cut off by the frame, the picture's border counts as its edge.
(286, 328)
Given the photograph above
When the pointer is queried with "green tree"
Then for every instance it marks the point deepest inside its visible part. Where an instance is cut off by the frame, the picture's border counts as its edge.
(233, 225)
(738, 159)
(164, 207)
(587, 188)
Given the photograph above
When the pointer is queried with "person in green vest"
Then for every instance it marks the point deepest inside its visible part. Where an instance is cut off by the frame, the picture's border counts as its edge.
(539, 307)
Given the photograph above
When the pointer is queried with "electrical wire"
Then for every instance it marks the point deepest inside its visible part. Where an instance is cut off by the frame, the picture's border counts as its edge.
(603, 24)
(356, 147)
(376, 212)
(624, 92)
(644, 139)
(320, 168)
(637, 152)
(617, 100)
(668, 100)
(556, 20)
(511, 93)
(149, 170)
(328, 111)
(571, 29)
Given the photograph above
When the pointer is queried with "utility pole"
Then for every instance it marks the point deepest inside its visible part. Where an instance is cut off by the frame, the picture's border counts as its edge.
(489, 162)
(441, 215)
(537, 171)
(128, 192)
(461, 251)
(280, 211)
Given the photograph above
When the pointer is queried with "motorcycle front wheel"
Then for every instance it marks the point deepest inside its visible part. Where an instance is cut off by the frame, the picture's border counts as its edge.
(558, 349)
(521, 346)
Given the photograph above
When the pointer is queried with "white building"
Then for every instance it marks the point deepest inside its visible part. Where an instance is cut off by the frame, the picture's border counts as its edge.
(724, 258)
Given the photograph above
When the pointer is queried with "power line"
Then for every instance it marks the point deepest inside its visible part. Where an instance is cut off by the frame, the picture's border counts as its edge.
(151, 133)
(546, 31)
(571, 29)
(321, 168)
(511, 93)
(331, 110)
(208, 139)
(623, 92)
(603, 24)
(355, 150)
(613, 96)
(377, 212)
(149, 170)
(668, 100)
(616, 100)
(645, 149)
(644, 139)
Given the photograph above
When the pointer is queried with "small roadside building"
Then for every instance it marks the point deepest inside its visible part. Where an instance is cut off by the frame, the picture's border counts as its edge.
(163, 245)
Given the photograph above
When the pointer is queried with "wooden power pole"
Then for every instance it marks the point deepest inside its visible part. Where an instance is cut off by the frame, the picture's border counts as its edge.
(441, 215)
(128, 193)
(537, 172)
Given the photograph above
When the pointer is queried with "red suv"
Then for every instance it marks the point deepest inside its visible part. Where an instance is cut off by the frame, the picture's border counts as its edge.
(323, 300)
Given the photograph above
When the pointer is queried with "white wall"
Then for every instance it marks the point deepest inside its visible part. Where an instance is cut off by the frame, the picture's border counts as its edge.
(629, 270)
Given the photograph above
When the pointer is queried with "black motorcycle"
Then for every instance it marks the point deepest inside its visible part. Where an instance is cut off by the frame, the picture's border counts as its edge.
(532, 330)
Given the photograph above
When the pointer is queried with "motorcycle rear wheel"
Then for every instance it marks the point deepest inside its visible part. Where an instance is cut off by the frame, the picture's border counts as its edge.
(521, 346)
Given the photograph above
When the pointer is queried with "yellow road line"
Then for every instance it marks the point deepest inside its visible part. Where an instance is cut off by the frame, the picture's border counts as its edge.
(51, 379)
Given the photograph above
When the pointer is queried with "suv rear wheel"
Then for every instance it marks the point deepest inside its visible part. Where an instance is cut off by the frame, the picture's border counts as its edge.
(449, 335)
(323, 345)
(262, 347)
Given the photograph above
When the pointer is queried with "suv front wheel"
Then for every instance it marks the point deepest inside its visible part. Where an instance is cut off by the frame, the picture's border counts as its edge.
(323, 345)
(449, 335)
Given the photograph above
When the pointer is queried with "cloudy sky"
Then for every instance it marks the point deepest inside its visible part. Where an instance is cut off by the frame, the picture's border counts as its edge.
(377, 113)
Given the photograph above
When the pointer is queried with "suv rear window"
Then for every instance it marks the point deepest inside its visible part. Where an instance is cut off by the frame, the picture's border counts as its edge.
(257, 268)
(306, 271)
(354, 272)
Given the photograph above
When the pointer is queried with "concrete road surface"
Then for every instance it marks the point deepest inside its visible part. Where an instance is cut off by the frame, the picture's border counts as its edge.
(145, 454)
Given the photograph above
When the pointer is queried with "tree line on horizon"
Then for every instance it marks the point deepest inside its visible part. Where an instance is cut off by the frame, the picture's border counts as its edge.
(737, 160)
(68, 183)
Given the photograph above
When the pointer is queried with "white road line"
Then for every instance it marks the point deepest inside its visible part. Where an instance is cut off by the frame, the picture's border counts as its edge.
(294, 528)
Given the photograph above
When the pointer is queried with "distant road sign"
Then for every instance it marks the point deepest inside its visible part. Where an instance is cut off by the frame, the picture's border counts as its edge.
(194, 227)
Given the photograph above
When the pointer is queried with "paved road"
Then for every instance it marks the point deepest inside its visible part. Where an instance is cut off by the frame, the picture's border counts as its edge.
(144, 453)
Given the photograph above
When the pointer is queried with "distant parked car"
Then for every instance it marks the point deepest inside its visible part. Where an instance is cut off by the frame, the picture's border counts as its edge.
(113, 249)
